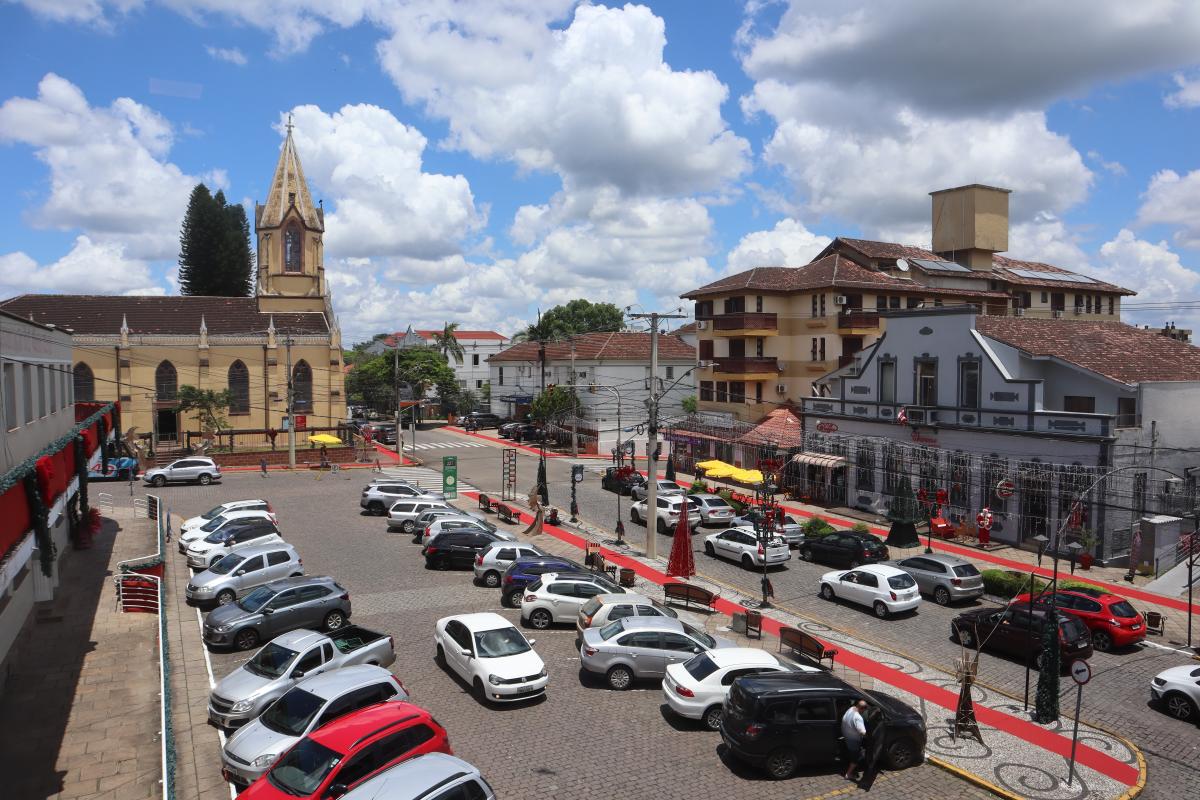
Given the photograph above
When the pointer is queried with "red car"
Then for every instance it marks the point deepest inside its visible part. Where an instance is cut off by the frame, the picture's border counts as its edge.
(1111, 620)
(333, 759)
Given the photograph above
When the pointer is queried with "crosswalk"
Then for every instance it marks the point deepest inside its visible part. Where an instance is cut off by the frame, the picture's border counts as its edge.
(442, 445)
(424, 477)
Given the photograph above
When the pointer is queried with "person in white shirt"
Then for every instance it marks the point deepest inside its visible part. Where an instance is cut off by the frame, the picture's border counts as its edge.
(853, 731)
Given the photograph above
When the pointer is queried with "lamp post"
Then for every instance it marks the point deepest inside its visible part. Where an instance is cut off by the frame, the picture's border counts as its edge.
(1074, 547)
(763, 521)
(1042, 540)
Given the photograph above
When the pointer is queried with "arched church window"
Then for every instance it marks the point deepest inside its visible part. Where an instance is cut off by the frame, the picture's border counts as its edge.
(166, 381)
(85, 383)
(293, 241)
(302, 386)
(239, 388)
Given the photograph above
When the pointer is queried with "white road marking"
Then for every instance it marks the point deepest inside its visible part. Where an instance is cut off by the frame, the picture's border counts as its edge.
(211, 685)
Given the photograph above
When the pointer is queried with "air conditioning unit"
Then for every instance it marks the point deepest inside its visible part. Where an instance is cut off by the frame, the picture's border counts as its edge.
(704, 364)
(781, 388)
(1018, 312)
(1058, 313)
(701, 324)
(839, 300)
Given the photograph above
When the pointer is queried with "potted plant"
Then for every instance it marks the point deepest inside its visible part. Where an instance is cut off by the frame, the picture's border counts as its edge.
(1088, 540)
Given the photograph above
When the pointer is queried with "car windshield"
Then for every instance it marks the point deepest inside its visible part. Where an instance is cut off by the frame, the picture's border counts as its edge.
(1121, 608)
(213, 523)
(790, 521)
(500, 643)
(611, 629)
(700, 636)
(256, 599)
(271, 661)
(901, 581)
(226, 564)
(291, 713)
(213, 512)
(965, 570)
(700, 667)
(303, 768)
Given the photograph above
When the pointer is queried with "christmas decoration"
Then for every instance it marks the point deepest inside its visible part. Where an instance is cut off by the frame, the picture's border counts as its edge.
(1046, 703)
(904, 514)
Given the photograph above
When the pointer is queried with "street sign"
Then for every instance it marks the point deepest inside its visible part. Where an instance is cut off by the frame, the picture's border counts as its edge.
(1005, 488)
(1081, 673)
(450, 477)
(508, 474)
(577, 473)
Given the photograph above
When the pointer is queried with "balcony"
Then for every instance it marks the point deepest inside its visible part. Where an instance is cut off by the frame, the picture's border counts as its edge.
(746, 368)
(845, 361)
(858, 322)
(746, 323)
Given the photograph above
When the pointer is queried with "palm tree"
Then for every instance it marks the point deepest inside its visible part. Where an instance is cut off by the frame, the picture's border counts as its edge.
(447, 344)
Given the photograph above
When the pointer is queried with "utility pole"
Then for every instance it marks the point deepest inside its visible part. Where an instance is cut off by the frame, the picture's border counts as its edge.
(542, 488)
(574, 422)
(396, 381)
(291, 403)
(652, 438)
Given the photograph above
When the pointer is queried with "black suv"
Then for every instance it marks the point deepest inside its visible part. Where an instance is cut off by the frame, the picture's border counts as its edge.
(482, 419)
(780, 721)
(455, 549)
(844, 548)
(621, 480)
(1017, 632)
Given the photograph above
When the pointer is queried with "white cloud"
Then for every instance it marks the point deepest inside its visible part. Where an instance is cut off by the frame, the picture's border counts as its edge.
(108, 173)
(1112, 167)
(1172, 199)
(89, 268)
(1156, 272)
(789, 243)
(231, 55)
(1187, 95)
(1048, 240)
(68, 10)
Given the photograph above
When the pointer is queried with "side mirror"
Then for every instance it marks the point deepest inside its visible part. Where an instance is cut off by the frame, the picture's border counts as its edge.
(697, 650)
(268, 610)
(298, 674)
(239, 573)
(532, 642)
(336, 790)
(464, 651)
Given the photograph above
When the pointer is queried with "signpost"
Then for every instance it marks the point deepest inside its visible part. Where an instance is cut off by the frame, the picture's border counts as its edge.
(1081, 673)
(508, 474)
(576, 479)
(450, 477)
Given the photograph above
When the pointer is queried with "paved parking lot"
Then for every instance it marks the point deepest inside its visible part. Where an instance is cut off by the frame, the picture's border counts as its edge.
(581, 738)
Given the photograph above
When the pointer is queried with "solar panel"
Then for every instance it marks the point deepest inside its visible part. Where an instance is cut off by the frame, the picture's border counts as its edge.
(939, 266)
(1065, 277)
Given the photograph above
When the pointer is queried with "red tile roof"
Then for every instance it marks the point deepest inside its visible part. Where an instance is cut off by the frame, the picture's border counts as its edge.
(462, 335)
(873, 249)
(781, 427)
(1112, 349)
(682, 329)
(620, 346)
(176, 316)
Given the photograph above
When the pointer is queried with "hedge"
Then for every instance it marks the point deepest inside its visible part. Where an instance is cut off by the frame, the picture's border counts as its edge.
(1008, 584)
(816, 527)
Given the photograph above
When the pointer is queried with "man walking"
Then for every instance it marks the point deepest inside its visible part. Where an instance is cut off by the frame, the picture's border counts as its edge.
(853, 731)
(262, 465)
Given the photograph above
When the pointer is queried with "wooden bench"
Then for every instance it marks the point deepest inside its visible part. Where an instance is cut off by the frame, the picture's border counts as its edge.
(690, 595)
(508, 513)
(806, 645)
(485, 502)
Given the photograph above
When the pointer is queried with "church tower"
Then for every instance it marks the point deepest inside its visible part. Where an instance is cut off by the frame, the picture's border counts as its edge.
(291, 252)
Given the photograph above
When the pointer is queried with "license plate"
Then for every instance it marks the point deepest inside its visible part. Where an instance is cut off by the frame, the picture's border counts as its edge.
(1136, 627)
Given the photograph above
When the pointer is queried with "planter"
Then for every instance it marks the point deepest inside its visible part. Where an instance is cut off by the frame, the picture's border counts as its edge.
(627, 576)
(1085, 560)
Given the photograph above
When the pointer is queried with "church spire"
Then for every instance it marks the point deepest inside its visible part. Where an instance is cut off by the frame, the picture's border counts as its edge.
(289, 188)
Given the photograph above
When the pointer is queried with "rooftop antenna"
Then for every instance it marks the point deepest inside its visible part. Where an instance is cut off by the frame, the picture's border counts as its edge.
(901, 265)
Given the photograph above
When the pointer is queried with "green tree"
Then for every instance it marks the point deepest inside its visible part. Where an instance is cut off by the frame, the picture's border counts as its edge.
(1046, 700)
(576, 317)
(208, 404)
(689, 404)
(372, 382)
(554, 404)
(447, 344)
(215, 256)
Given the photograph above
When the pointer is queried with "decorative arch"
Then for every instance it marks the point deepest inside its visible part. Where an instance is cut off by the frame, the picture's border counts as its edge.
(85, 383)
(166, 381)
(293, 248)
(302, 386)
(239, 388)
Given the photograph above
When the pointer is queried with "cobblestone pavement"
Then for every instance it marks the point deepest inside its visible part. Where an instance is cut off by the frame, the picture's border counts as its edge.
(581, 737)
(80, 711)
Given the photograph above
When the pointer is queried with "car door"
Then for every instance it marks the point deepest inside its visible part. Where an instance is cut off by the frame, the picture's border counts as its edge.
(309, 664)
(569, 609)
(251, 572)
(278, 613)
(828, 548)
(919, 569)
(460, 639)
(279, 565)
(849, 588)
(816, 730)
(560, 595)
(677, 648)
(644, 651)
(868, 588)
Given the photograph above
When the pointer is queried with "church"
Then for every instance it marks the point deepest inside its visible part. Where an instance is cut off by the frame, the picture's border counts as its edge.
(141, 349)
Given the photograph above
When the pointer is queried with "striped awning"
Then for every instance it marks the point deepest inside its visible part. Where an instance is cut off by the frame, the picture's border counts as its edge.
(819, 459)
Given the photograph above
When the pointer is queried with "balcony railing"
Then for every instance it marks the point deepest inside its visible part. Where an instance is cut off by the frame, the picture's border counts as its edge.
(1127, 421)
(858, 319)
(746, 320)
(746, 366)
(845, 361)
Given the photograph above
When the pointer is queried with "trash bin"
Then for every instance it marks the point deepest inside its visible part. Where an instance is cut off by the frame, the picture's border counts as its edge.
(627, 577)
(737, 622)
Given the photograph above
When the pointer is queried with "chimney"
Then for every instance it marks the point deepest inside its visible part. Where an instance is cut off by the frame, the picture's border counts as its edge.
(970, 223)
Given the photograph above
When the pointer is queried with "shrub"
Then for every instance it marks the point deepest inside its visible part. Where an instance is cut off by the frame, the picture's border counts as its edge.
(817, 527)
(697, 487)
(1008, 584)
(727, 496)
(861, 527)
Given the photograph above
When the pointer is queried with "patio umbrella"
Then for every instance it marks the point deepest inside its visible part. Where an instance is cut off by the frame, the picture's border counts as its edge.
(669, 473)
(324, 438)
(722, 471)
(682, 564)
(712, 462)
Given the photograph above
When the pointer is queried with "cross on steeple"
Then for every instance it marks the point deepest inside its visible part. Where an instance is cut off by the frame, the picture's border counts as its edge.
(289, 124)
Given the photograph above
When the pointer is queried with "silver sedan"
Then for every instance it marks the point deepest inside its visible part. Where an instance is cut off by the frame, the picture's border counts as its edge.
(947, 578)
(642, 647)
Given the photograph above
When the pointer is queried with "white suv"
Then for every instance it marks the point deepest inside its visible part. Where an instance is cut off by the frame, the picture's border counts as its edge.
(403, 514)
(224, 508)
(743, 545)
(212, 548)
(219, 523)
(185, 470)
(558, 598)
(495, 558)
(669, 509)
(379, 497)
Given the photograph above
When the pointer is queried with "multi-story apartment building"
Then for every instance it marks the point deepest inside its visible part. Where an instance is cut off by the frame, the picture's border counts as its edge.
(764, 334)
(478, 347)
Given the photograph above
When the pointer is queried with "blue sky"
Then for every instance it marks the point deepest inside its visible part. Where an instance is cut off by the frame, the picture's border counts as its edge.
(479, 160)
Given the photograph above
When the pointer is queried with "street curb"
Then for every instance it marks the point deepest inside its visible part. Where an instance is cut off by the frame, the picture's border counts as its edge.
(982, 783)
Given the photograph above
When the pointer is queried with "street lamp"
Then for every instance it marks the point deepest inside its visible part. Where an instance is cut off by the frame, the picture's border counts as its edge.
(1042, 540)
(763, 521)
(1074, 547)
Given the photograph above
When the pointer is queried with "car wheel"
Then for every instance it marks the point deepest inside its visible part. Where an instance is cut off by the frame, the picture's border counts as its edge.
(662, 525)
(334, 620)
(1038, 660)
(478, 690)
(806, 553)
(491, 579)
(513, 598)
(881, 609)
(967, 638)
(941, 596)
(408, 526)
(439, 657)
(827, 591)
(225, 597)
(747, 562)
(709, 550)
(620, 678)
(712, 718)
(540, 619)
(159, 481)
(1180, 706)
(245, 639)
(781, 764)
(901, 754)
(205, 479)
(1102, 641)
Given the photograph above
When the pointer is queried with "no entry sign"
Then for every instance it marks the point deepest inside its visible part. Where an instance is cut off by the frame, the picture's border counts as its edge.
(1081, 673)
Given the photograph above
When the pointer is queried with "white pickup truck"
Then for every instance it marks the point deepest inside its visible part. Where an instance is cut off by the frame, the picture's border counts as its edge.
(246, 692)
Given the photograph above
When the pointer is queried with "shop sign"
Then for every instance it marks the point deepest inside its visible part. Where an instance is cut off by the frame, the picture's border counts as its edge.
(827, 427)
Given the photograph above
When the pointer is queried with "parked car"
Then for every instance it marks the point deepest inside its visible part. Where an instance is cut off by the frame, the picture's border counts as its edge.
(844, 548)
(434, 776)
(1112, 621)
(525, 571)
(791, 530)
(558, 598)
(784, 720)
(882, 588)
(383, 432)
(227, 520)
(482, 419)
(714, 510)
(314, 701)
(497, 556)
(244, 693)
(489, 653)
(621, 480)
(1015, 632)
(743, 545)
(506, 430)
(204, 553)
(240, 571)
(602, 609)
(669, 509)
(334, 759)
(947, 578)
(456, 549)
(697, 688)
(1178, 691)
(186, 470)
(216, 511)
(642, 647)
(429, 515)
(278, 607)
(403, 514)
(666, 488)
(463, 523)
(379, 497)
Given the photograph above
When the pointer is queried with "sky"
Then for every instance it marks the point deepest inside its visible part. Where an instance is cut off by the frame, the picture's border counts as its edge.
(479, 160)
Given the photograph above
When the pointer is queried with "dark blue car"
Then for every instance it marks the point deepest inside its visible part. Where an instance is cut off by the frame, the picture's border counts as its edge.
(525, 571)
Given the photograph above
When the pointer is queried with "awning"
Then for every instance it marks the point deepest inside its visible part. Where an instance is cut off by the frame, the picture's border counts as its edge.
(819, 459)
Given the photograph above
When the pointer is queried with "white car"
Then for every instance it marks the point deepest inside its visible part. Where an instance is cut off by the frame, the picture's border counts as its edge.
(403, 514)
(1178, 689)
(186, 470)
(558, 597)
(488, 652)
(713, 509)
(216, 511)
(218, 524)
(742, 545)
(665, 488)
(495, 558)
(884, 589)
(697, 688)
(204, 553)
(669, 509)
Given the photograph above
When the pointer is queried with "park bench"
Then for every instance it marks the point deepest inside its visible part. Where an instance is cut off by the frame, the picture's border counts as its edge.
(690, 594)
(508, 513)
(485, 502)
(806, 645)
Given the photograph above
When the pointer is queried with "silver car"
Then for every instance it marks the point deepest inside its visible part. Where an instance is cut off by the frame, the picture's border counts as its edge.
(186, 470)
(421, 777)
(495, 558)
(743, 545)
(308, 705)
(665, 489)
(791, 530)
(714, 510)
(642, 647)
(241, 571)
(404, 513)
(379, 497)
(947, 578)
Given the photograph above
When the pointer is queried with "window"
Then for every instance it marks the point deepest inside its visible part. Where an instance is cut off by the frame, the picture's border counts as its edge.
(880, 303)
(310, 661)
(706, 349)
(302, 386)
(925, 388)
(27, 378)
(1111, 305)
(166, 381)
(704, 309)
(52, 375)
(475, 359)
(893, 468)
(1045, 298)
(252, 564)
(706, 391)
(737, 391)
(677, 642)
(10, 395)
(735, 305)
(758, 304)
(1127, 412)
(1079, 404)
(968, 384)
(670, 373)
(722, 392)
(277, 558)
(239, 388)
(85, 383)
(912, 302)
(292, 245)
(865, 467)
(887, 382)
(758, 392)
(894, 302)
(646, 639)
(500, 376)
(1078, 303)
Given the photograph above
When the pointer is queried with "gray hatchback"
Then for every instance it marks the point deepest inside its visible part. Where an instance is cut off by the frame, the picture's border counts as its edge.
(947, 578)
(316, 602)
(642, 647)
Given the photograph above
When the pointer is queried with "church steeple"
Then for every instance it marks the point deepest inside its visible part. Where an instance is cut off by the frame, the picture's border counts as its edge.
(290, 189)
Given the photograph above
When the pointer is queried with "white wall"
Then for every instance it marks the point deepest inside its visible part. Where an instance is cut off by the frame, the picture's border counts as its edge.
(36, 403)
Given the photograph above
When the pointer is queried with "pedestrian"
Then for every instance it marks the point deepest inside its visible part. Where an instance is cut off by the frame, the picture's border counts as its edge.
(853, 731)
(262, 465)
(324, 454)
(271, 434)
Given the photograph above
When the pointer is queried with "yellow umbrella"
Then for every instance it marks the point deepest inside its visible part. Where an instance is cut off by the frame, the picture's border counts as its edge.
(709, 464)
(324, 438)
(722, 471)
(749, 476)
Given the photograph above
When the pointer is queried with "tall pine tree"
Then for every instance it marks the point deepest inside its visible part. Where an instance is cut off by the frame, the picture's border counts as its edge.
(215, 257)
